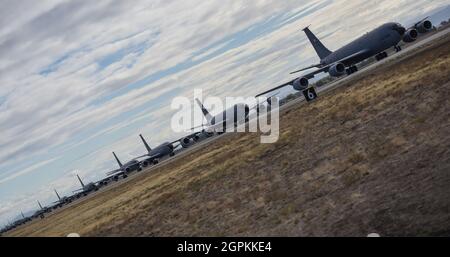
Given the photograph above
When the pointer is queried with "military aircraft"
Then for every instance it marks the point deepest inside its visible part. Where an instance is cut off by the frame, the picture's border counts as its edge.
(61, 200)
(343, 61)
(42, 210)
(229, 118)
(85, 188)
(153, 155)
(124, 169)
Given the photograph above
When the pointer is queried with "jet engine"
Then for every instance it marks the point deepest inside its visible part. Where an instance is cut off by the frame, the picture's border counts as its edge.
(202, 135)
(410, 36)
(424, 26)
(186, 142)
(300, 84)
(337, 69)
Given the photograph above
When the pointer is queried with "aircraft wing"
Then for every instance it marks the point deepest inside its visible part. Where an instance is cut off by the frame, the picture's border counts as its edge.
(152, 156)
(307, 68)
(145, 155)
(275, 88)
(113, 172)
(106, 178)
(290, 83)
(417, 23)
(349, 60)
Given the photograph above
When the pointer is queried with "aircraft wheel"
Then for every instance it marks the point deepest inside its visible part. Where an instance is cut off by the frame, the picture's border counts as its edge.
(381, 56)
(172, 154)
(351, 70)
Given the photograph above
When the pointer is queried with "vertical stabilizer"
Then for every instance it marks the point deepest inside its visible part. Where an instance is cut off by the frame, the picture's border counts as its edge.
(23, 216)
(117, 159)
(59, 198)
(81, 181)
(321, 50)
(205, 112)
(40, 205)
(146, 145)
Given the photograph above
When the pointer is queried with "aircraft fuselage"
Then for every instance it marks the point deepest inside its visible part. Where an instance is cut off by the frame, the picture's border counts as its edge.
(375, 41)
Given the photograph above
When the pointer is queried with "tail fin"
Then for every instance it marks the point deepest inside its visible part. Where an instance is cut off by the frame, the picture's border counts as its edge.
(117, 159)
(145, 143)
(23, 216)
(59, 198)
(205, 112)
(321, 50)
(81, 182)
(40, 205)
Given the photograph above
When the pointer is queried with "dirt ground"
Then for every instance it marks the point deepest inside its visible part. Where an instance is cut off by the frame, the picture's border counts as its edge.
(370, 156)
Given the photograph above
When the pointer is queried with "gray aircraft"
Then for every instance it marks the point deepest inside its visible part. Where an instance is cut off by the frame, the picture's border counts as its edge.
(153, 155)
(61, 200)
(85, 188)
(40, 213)
(124, 169)
(343, 61)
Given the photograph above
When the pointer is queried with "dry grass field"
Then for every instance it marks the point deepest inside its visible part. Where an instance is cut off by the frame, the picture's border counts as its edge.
(370, 156)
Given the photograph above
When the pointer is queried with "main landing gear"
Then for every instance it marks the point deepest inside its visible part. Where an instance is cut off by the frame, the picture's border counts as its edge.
(351, 69)
(381, 56)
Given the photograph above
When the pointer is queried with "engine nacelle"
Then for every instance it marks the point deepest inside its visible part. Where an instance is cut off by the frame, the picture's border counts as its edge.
(410, 36)
(127, 170)
(186, 142)
(424, 26)
(206, 134)
(300, 84)
(337, 69)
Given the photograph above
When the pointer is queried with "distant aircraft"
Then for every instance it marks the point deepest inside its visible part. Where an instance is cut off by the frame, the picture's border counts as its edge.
(85, 188)
(40, 213)
(229, 118)
(224, 120)
(124, 169)
(61, 200)
(343, 61)
(153, 155)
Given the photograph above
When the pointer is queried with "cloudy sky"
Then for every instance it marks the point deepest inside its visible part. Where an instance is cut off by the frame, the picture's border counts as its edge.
(81, 78)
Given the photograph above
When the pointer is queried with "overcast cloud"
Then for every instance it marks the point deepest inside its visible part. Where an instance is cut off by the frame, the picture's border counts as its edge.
(79, 79)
